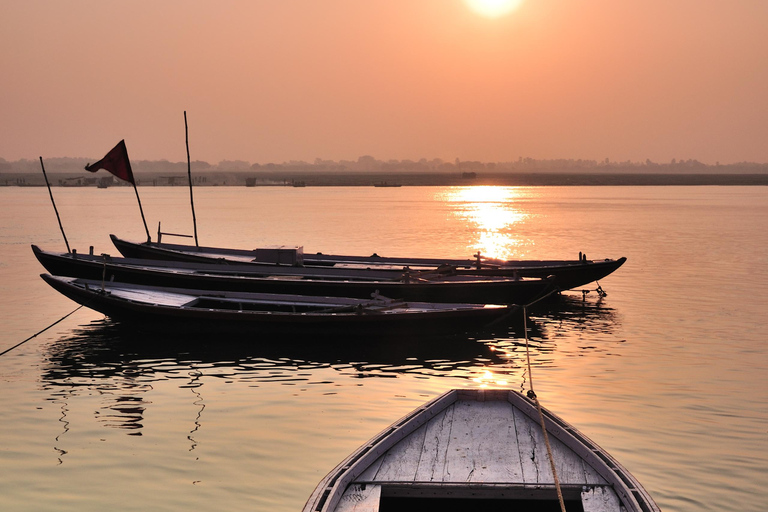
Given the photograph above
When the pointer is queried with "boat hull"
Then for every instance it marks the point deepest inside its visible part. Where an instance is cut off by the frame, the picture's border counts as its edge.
(200, 311)
(459, 289)
(568, 274)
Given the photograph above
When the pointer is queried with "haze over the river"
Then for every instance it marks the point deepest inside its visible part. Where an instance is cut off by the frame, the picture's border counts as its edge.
(267, 81)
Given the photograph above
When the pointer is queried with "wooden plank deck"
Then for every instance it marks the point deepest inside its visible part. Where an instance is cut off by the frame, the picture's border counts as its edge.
(479, 442)
(599, 499)
(360, 498)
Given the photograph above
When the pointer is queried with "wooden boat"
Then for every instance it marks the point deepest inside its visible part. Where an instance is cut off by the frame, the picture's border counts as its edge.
(568, 274)
(58, 263)
(333, 282)
(478, 449)
(204, 311)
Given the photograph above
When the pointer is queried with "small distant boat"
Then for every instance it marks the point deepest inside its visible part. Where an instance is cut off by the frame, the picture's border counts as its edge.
(386, 184)
(478, 449)
(206, 311)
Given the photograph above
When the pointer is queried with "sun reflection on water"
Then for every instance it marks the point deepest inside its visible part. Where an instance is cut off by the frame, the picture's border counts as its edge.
(489, 379)
(490, 213)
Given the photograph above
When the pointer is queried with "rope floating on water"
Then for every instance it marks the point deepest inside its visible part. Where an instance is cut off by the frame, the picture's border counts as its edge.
(40, 332)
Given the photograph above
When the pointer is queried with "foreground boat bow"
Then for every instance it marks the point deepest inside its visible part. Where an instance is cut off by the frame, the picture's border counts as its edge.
(484, 448)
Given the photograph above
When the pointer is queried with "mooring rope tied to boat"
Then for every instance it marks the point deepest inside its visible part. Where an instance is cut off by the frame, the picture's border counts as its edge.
(532, 396)
(40, 332)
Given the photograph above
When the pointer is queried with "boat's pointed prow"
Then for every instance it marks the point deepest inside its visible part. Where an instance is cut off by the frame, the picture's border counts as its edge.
(485, 445)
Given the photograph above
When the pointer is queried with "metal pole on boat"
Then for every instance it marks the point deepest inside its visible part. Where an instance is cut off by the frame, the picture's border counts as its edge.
(54, 205)
(189, 174)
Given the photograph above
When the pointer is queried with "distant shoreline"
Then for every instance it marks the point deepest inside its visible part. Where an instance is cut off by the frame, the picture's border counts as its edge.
(349, 179)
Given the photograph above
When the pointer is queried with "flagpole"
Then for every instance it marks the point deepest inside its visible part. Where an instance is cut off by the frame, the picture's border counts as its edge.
(54, 205)
(117, 163)
(149, 238)
(189, 173)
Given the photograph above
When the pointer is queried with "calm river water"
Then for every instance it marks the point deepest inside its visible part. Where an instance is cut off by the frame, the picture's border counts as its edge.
(669, 372)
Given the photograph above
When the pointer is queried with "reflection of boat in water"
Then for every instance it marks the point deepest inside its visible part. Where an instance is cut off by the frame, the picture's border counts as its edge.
(105, 349)
(573, 313)
(479, 449)
(120, 364)
(122, 368)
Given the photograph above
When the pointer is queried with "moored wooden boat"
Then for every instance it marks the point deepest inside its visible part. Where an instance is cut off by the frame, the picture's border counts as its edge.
(57, 263)
(478, 449)
(568, 274)
(425, 287)
(204, 311)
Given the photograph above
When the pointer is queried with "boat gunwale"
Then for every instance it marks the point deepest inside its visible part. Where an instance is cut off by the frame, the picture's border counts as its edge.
(240, 256)
(568, 274)
(249, 274)
(93, 286)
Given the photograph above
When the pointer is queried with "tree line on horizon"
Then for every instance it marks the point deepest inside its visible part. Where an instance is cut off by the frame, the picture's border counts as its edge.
(371, 164)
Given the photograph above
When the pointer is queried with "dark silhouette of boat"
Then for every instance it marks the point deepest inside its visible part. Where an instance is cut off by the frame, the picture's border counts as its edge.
(568, 274)
(333, 282)
(180, 310)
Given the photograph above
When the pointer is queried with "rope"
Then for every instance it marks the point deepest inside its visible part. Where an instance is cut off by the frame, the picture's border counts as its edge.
(546, 295)
(532, 396)
(514, 308)
(40, 332)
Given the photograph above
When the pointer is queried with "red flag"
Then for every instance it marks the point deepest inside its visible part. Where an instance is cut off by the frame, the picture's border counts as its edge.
(116, 162)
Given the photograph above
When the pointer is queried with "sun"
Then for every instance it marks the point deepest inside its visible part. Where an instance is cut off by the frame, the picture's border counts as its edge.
(493, 8)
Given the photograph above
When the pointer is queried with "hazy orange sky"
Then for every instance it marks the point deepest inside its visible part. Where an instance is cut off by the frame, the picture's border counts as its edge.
(278, 80)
